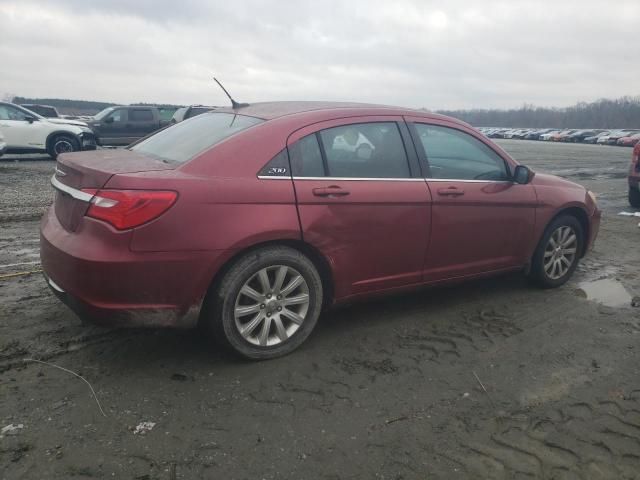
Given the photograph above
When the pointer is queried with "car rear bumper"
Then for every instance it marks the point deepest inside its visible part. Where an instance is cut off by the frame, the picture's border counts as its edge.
(106, 283)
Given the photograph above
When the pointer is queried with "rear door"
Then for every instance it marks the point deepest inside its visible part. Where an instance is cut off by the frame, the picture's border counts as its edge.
(362, 201)
(481, 220)
(141, 122)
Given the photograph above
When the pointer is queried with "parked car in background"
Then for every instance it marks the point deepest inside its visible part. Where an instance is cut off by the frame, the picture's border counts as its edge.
(3, 145)
(579, 135)
(559, 136)
(629, 141)
(25, 131)
(283, 208)
(634, 178)
(547, 136)
(614, 137)
(45, 111)
(595, 138)
(184, 113)
(535, 134)
(123, 125)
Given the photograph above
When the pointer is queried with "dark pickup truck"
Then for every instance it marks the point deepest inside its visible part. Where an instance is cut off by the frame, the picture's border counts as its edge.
(124, 125)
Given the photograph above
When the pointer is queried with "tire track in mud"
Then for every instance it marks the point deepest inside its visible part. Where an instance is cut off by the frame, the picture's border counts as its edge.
(448, 341)
(577, 441)
(13, 354)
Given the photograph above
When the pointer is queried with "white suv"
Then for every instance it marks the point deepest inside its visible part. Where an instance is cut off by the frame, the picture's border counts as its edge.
(3, 145)
(27, 132)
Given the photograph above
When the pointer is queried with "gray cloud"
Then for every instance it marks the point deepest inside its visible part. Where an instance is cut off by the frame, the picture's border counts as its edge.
(458, 54)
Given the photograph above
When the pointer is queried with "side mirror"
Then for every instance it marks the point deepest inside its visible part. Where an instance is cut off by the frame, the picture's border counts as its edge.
(108, 120)
(523, 175)
(31, 119)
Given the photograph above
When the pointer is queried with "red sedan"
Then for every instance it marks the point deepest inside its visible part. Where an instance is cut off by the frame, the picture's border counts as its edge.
(629, 141)
(250, 221)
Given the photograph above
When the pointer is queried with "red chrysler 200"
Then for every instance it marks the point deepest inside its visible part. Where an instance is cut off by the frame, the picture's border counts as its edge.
(249, 221)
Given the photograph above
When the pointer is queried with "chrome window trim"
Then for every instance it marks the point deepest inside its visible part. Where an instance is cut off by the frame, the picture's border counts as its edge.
(75, 193)
(466, 181)
(341, 179)
(361, 179)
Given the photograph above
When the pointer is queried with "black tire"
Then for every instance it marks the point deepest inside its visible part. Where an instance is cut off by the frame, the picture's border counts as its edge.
(218, 314)
(538, 273)
(62, 143)
(634, 197)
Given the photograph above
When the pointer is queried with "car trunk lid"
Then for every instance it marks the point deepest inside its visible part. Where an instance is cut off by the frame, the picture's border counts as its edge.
(91, 170)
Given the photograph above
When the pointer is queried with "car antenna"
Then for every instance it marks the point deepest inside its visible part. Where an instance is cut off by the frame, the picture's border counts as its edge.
(234, 104)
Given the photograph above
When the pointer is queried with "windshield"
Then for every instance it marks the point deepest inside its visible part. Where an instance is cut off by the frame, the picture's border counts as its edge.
(185, 140)
(103, 113)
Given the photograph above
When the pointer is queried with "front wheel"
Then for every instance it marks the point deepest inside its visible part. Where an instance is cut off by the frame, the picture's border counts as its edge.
(634, 197)
(62, 144)
(558, 252)
(266, 304)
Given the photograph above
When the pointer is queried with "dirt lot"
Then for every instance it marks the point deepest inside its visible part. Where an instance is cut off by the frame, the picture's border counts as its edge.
(493, 379)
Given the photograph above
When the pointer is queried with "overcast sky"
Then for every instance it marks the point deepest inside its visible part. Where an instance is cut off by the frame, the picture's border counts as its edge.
(453, 54)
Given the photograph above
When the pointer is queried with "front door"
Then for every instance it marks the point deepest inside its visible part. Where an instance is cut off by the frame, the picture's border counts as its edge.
(113, 128)
(362, 202)
(481, 220)
(21, 130)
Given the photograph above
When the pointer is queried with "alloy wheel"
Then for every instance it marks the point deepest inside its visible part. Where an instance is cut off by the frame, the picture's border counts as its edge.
(272, 305)
(560, 252)
(62, 146)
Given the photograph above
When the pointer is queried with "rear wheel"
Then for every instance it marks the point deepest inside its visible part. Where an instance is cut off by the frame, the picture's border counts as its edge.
(62, 144)
(267, 304)
(634, 197)
(558, 252)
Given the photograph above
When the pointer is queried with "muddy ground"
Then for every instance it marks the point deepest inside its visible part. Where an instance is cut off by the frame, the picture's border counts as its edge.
(493, 379)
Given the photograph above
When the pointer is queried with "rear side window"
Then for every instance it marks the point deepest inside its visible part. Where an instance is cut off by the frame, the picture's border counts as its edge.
(278, 166)
(455, 155)
(364, 150)
(185, 140)
(306, 158)
(140, 115)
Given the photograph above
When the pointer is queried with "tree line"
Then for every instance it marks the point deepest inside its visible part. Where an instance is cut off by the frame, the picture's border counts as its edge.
(623, 112)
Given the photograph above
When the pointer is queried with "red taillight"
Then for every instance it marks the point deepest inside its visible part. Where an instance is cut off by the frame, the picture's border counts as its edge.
(129, 208)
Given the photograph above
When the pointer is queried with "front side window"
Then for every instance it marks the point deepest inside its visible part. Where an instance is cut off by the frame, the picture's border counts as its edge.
(364, 150)
(117, 115)
(184, 140)
(455, 155)
(8, 112)
(140, 116)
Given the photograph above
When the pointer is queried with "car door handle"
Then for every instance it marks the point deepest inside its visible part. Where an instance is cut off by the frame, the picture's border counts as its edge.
(331, 191)
(451, 191)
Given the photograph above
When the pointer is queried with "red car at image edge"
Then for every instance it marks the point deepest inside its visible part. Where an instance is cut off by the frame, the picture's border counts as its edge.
(634, 178)
(250, 221)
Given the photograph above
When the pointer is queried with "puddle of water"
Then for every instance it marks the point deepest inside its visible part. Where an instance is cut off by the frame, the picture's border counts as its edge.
(606, 291)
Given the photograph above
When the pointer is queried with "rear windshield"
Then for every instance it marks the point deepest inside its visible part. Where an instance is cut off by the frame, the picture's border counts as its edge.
(183, 141)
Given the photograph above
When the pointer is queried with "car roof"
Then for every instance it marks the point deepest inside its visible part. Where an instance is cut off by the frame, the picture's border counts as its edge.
(273, 110)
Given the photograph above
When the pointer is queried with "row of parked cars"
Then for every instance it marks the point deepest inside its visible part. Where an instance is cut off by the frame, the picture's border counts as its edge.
(41, 129)
(620, 137)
